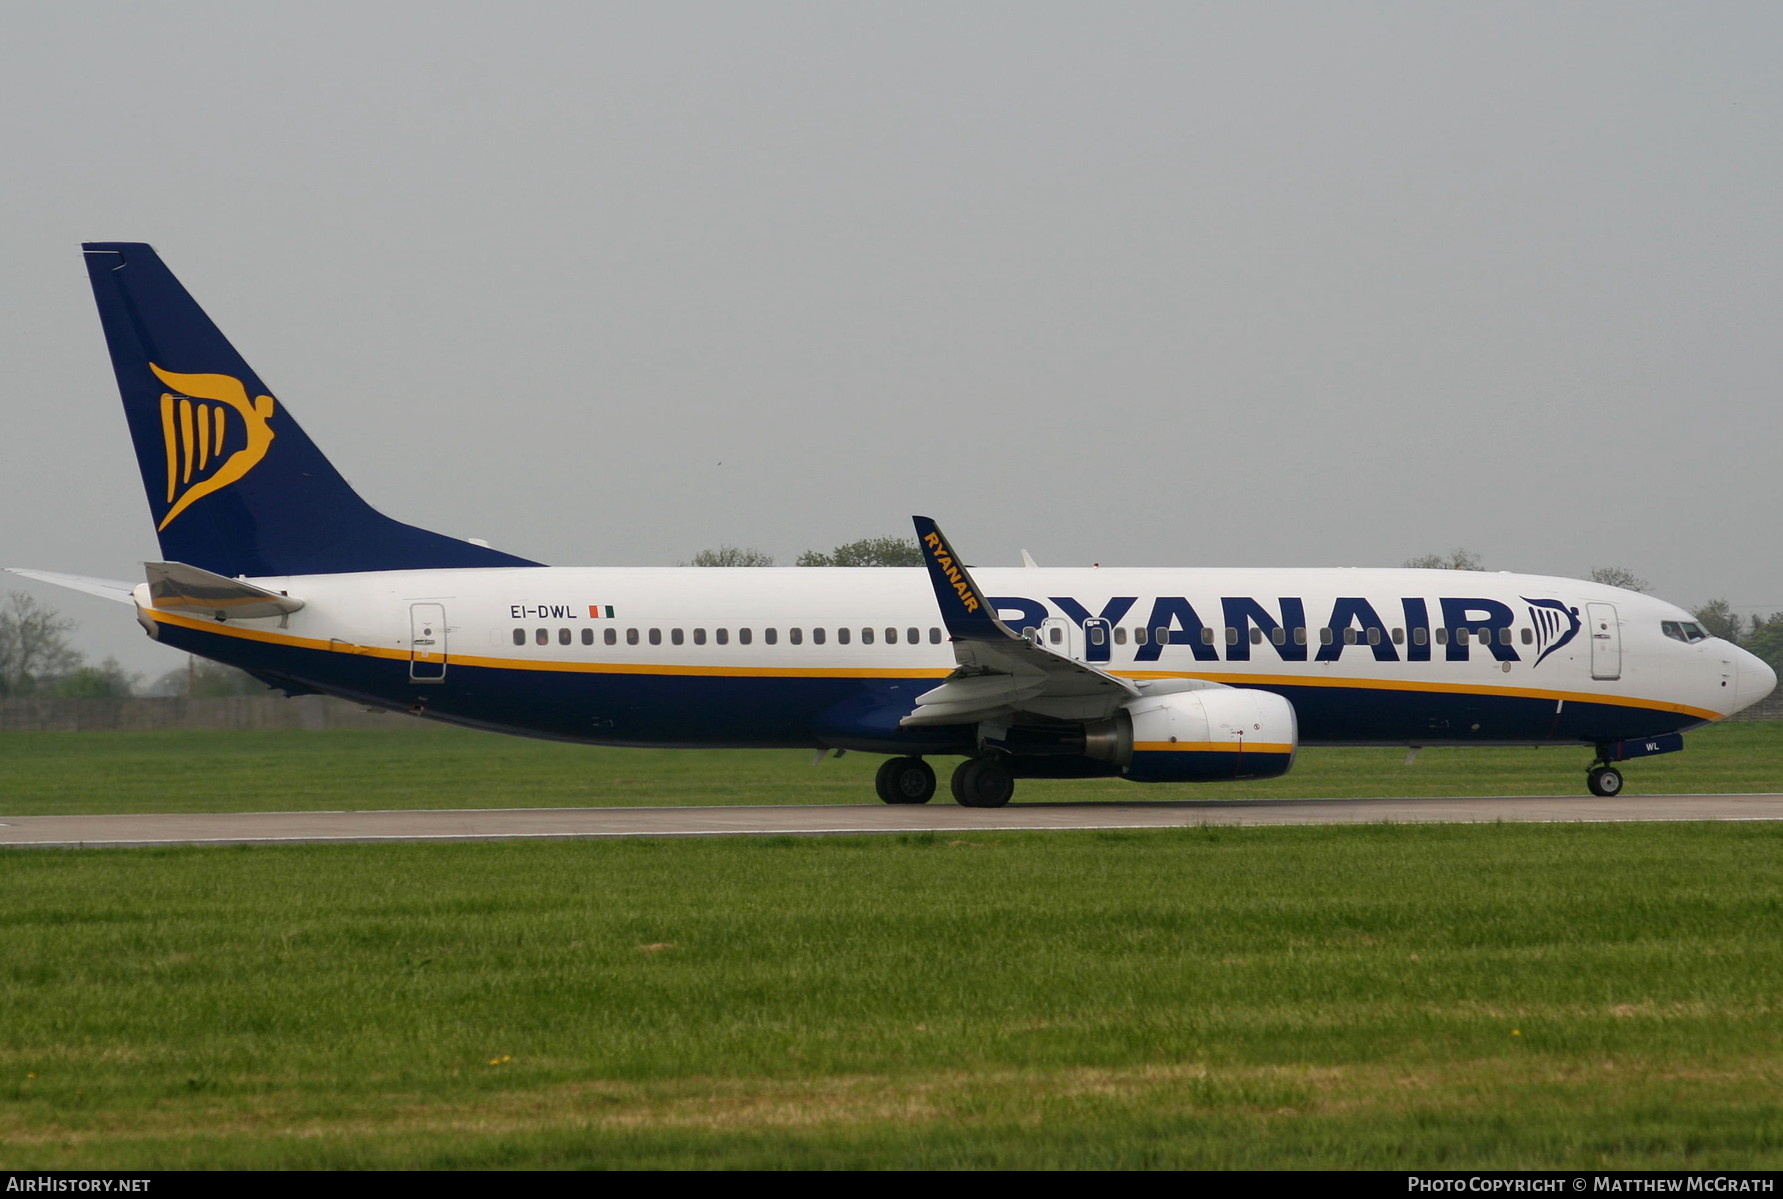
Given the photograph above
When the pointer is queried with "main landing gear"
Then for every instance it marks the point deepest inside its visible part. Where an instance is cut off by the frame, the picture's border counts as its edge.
(905, 780)
(1604, 781)
(977, 782)
(983, 783)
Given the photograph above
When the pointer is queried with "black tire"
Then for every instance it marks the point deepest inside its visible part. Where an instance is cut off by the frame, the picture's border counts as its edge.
(982, 783)
(905, 780)
(1604, 781)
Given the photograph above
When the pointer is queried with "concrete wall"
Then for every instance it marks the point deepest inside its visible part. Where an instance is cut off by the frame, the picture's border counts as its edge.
(1770, 709)
(231, 712)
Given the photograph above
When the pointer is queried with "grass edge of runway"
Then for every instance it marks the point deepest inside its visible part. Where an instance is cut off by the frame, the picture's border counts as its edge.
(1519, 997)
(426, 767)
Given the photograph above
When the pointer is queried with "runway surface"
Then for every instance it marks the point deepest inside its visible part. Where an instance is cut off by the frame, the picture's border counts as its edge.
(497, 824)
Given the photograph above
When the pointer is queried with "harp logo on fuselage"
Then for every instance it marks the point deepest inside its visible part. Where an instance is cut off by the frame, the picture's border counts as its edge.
(207, 447)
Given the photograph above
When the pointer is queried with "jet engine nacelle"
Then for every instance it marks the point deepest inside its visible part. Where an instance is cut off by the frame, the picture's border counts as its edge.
(1203, 736)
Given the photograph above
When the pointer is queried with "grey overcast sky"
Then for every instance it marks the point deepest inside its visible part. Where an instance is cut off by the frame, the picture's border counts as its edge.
(1167, 284)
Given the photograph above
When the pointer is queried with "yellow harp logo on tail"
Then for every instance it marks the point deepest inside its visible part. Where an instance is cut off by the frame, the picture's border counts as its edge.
(196, 428)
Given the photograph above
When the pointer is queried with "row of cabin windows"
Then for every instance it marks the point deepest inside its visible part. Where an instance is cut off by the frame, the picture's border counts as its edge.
(610, 636)
(1055, 635)
(1280, 636)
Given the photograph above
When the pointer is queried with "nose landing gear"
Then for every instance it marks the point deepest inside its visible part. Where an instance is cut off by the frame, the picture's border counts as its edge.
(1604, 781)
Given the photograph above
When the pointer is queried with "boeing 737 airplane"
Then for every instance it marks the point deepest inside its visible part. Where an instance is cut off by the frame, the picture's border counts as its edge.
(274, 564)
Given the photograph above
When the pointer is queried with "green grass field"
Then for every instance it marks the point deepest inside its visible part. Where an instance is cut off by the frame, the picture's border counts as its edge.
(1495, 996)
(425, 766)
(1393, 997)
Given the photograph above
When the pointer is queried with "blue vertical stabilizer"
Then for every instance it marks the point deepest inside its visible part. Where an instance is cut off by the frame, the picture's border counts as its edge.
(234, 485)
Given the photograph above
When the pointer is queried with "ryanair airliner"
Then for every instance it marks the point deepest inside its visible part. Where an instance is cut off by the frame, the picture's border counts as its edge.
(275, 565)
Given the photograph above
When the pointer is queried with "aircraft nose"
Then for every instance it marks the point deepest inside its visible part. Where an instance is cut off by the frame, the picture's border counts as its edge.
(1753, 679)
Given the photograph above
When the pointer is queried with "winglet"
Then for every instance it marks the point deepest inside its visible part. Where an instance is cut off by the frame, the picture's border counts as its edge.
(964, 610)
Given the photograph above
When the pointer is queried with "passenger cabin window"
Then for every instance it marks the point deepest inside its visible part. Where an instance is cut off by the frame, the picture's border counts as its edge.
(1420, 636)
(796, 636)
(891, 636)
(841, 637)
(675, 636)
(816, 636)
(866, 636)
(655, 636)
(631, 636)
(699, 636)
(722, 636)
(1325, 636)
(1098, 635)
(743, 636)
(913, 636)
(542, 636)
(588, 636)
(934, 636)
(1120, 634)
(771, 636)
(563, 636)
(1139, 636)
(520, 637)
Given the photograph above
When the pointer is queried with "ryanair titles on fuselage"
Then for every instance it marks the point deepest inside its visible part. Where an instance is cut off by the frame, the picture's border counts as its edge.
(1173, 620)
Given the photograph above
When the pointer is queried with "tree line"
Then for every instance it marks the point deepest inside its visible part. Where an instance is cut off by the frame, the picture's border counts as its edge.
(38, 659)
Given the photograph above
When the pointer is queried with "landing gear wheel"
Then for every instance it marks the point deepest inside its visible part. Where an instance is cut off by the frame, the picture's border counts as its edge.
(905, 780)
(983, 783)
(1604, 781)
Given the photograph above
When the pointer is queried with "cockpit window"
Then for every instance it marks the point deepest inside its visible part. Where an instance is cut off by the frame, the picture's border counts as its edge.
(1687, 631)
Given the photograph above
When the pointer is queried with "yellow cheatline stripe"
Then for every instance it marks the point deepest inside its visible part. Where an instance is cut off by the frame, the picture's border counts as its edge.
(1236, 745)
(402, 655)
(1355, 684)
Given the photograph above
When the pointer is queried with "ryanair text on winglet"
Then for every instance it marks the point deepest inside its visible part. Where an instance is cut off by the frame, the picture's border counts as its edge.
(944, 559)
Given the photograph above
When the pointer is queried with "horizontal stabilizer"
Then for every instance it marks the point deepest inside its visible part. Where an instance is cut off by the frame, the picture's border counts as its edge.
(111, 589)
(176, 587)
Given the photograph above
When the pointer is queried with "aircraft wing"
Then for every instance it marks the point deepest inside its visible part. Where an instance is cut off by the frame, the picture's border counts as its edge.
(111, 589)
(1001, 672)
